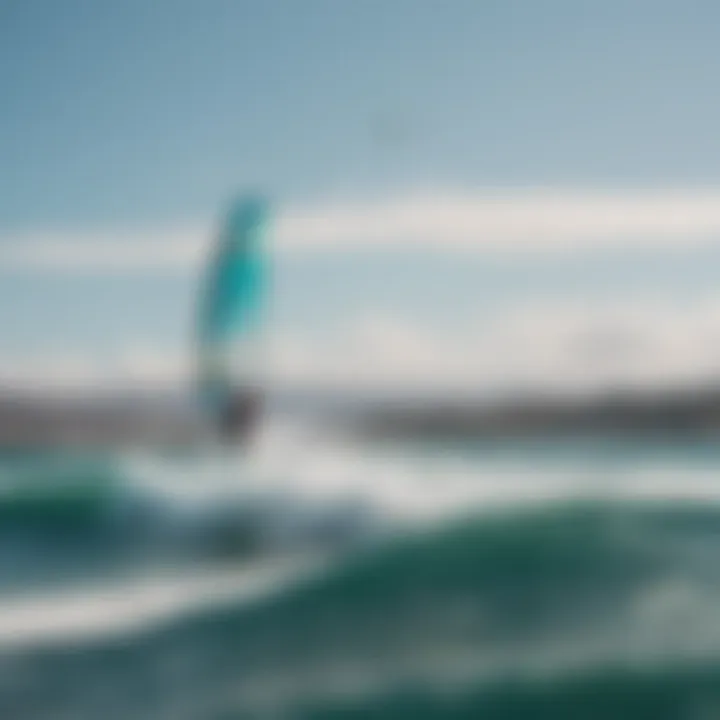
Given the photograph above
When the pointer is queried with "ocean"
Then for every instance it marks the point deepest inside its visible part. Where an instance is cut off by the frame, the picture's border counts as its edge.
(317, 577)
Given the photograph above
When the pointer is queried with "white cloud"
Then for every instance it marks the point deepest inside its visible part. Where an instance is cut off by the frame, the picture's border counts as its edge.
(519, 221)
(138, 367)
(160, 250)
(558, 347)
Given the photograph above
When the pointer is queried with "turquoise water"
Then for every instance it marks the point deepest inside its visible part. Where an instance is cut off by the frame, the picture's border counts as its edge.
(320, 579)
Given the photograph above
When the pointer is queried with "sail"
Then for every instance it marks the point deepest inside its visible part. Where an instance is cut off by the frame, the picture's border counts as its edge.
(231, 309)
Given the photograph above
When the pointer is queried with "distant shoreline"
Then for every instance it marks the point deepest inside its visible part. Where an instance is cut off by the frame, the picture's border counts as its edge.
(27, 421)
(672, 411)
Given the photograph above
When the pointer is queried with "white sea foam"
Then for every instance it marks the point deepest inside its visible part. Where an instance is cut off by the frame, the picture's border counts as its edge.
(129, 606)
(293, 483)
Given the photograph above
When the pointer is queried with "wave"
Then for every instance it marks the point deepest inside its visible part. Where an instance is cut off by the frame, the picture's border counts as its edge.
(580, 609)
(67, 515)
(64, 516)
(674, 693)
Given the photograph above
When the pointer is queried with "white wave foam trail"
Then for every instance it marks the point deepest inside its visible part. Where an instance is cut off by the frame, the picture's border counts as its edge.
(122, 608)
(297, 479)
(302, 494)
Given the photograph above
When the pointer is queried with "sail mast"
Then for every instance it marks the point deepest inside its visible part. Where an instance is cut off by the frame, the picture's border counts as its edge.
(230, 321)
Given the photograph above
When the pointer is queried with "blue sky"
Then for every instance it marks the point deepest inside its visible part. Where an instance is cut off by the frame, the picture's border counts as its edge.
(123, 122)
(134, 111)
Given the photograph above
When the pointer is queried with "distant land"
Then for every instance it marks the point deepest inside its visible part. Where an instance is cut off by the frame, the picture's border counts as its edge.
(674, 411)
(32, 421)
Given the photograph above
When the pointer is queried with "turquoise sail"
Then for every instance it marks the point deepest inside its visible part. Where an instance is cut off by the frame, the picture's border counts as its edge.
(232, 306)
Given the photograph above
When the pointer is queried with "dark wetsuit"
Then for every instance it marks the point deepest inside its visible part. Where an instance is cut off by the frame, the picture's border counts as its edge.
(240, 415)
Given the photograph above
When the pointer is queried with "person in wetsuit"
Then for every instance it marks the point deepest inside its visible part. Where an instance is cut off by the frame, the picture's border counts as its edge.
(240, 415)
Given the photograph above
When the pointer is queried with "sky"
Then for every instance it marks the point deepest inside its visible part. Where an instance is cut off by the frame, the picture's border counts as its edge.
(479, 193)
